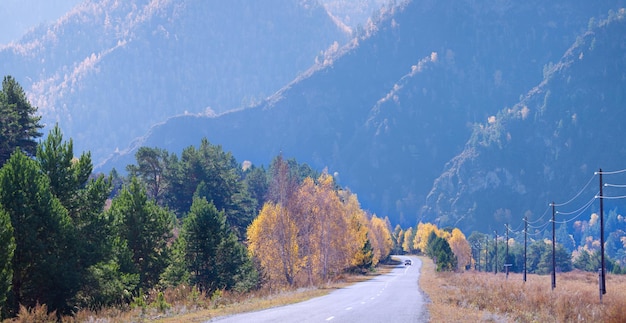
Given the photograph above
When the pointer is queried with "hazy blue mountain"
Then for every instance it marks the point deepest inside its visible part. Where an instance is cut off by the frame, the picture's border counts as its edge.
(108, 70)
(389, 110)
(546, 147)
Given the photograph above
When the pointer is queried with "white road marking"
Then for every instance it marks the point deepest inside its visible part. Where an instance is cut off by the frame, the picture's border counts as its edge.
(348, 308)
(330, 318)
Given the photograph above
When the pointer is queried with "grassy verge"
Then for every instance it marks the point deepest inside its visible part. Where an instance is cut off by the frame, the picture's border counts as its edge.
(184, 304)
(262, 300)
(485, 297)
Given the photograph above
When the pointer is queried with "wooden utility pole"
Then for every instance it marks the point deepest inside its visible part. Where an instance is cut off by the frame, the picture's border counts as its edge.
(495, 268)
(553, 248)
(506, 255)
(602, 269)
(525, 243)
(486, 250)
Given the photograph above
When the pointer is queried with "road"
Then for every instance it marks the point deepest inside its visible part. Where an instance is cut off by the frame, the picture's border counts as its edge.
(394, 297)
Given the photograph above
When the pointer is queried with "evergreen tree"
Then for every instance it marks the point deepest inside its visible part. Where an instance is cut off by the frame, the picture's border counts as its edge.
(441, 253)
(541, 258)
(257, 184)
(43, 271)
(211, 173)
(19, 127)
(84, 198)
(176, 272)
(144, 228)
(152, 169)
(215, 259)
(7, 246)
(67, 174)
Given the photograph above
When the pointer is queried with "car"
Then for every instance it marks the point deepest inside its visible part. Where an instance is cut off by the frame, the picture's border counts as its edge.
(407, 262)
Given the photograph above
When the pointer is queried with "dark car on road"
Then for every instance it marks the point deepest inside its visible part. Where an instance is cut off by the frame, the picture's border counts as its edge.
(407, 262)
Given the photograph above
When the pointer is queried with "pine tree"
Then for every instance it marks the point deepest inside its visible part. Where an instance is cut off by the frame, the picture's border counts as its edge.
(152, 170)
(214, 257)
(43, 237)
(84, 198)
(19, 127)
(144, 229)
(7, 247)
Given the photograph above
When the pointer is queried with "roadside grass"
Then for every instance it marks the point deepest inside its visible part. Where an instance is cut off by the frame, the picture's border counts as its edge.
(486, 297)
(185, 304)
(263, 299)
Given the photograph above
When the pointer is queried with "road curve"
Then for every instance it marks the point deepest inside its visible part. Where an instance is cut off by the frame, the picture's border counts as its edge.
(394, 297)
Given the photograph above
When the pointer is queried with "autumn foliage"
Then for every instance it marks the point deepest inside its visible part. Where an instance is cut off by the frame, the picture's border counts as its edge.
(423, 238)
(314, 234)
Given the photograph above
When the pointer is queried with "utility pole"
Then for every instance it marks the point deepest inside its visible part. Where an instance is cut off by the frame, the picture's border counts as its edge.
(486, 250)
(506, 254)
(478, 253)
(525, 243)
(602, 269)
(553, 249)
(495, 268)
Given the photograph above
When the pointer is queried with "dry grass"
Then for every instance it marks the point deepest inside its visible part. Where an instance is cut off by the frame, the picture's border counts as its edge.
(256, 301)
(263, 299)
(485, 297)
(184, 304)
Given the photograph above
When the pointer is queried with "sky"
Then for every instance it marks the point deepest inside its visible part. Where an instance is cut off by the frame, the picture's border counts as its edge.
(18, 16)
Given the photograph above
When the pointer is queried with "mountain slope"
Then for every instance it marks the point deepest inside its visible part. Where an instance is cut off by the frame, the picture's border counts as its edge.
(546, 147)
(389, 110)
(109, 70)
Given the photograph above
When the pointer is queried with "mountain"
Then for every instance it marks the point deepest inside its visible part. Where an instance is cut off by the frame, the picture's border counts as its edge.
(108, 70)
(547, 147)
(391, 108)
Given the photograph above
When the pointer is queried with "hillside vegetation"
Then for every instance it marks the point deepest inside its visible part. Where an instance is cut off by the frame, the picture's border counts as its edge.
(108, 70)
(397, 110)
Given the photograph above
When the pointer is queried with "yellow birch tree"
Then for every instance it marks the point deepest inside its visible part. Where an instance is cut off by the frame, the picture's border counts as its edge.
(358, 231)
(407, 244)
(272, 239)
(381, 240)
(421, 236)
(461, 248)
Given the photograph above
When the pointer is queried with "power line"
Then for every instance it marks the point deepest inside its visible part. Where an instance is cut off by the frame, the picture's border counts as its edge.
(577, 194)
(574, 218)
(536, 234)
(541, 217)
(612, 197)
(516, 230)
(615, 185)
(610, 173)
(582, 208)
(540, 227)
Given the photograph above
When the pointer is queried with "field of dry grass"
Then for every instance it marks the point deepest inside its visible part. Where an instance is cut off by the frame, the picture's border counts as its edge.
(485, 297)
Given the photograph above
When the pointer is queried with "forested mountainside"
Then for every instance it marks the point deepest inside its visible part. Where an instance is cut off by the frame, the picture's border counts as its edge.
(547, 147)
(388, 111)
(108, 70)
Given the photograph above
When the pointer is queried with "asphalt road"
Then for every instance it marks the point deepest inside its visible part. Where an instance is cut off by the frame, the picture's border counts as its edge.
(394, 297)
